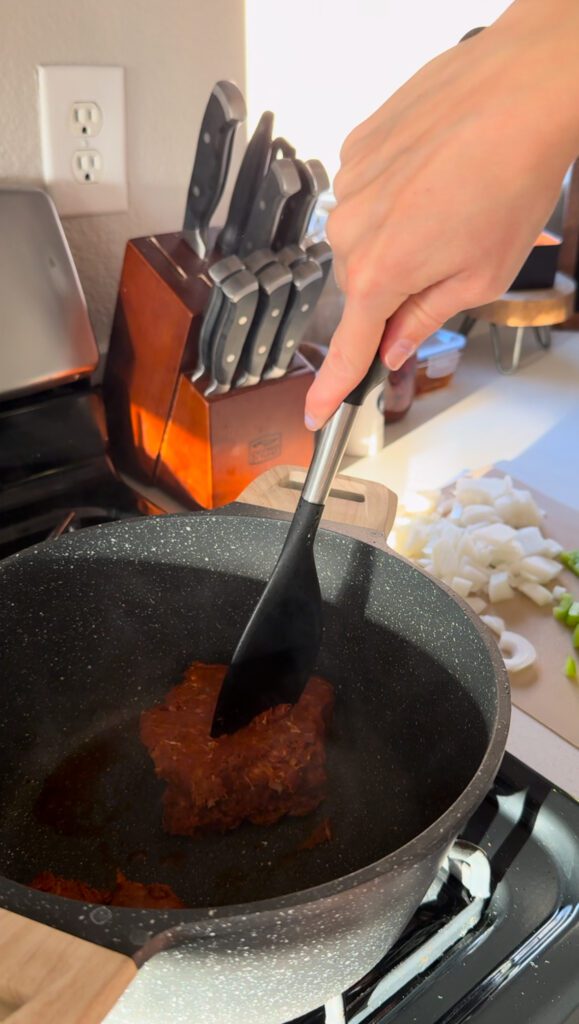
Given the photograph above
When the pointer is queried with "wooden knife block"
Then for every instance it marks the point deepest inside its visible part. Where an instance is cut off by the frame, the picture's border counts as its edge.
(214, 447)
(163, 430)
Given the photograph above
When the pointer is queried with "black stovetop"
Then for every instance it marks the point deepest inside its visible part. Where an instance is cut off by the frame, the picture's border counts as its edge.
(519, 963)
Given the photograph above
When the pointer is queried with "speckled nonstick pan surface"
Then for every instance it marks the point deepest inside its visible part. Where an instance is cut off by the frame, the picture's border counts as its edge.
(98, 625)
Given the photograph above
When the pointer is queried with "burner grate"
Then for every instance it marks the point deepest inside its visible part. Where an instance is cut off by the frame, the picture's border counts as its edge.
(453, 906)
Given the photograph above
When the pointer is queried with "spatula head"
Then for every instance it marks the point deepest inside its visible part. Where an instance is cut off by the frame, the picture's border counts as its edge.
(279, 647)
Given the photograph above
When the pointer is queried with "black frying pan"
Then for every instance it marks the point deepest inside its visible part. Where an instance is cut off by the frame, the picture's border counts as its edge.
(98, 625)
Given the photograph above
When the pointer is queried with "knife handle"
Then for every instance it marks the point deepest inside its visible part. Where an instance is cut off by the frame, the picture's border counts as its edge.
(218, 273)
(280, 182)
(259, 259)
(298, 209)
(305, 292)
(251, 174)
(275, 284)
(322, 253)
(320, 173)
(291, 255)
(280, 147)
(224, 111)
(297, 212)
(240, 294)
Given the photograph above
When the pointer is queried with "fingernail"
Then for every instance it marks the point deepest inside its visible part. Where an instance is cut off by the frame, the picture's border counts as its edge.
(311, 423)
(398, 354)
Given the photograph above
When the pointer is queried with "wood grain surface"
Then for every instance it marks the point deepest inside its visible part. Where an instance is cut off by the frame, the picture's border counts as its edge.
(50, 977)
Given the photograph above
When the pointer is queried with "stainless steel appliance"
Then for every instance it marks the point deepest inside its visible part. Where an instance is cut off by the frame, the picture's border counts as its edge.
(45, 334)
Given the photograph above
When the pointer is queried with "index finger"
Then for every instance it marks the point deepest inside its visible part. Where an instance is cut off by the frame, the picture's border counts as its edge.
(352, 349)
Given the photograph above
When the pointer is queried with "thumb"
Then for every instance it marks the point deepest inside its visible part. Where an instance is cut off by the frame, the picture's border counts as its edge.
(418, 317)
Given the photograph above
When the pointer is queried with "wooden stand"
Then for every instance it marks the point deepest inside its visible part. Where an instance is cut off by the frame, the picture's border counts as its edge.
(162, 428)
(539, 309)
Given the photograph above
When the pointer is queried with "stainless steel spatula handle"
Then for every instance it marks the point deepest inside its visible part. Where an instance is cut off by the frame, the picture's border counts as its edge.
(328, 455)
(334, 438)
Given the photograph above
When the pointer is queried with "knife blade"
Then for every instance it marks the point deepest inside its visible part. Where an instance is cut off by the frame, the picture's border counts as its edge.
(223, 113)
(218, 273)
(305, 291)
(322, 253)
(251, 174)
(275, 283)
(239, 301)
(280, 182)
(297, 212)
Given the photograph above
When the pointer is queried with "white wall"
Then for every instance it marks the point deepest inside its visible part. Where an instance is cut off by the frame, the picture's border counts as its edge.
(324, 65)
(173, 52)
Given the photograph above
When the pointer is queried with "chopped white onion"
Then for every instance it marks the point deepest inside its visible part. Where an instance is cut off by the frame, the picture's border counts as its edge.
(539, 568)
(539, 594)
(477, 604)
(496, 624)
(461, 585)
(473, 515)
(558, 592)
(552, 548)
(484, 541)
(518, 652)
(518, 509)
(531, 540)
(499, 587)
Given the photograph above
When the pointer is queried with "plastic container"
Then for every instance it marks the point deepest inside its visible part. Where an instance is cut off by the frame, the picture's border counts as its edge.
(438, 359)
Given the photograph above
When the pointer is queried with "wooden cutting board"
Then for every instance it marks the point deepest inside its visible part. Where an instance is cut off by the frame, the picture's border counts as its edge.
(543, 691)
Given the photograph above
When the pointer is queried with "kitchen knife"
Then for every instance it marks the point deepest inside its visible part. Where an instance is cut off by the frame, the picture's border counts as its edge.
(259, 259)
(297, 212)
(280, 182)
(251, 174)
(281, 147)
(305, 292)
(224, 111)
(275, 283)
(322, 253)
(239, 301)
(218, 273)
(291, 255)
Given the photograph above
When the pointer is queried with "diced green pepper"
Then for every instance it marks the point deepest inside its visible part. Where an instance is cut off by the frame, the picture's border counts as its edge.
(576, 637)
(565, 602)
(571, 560)
(572, 616)
(571, 668)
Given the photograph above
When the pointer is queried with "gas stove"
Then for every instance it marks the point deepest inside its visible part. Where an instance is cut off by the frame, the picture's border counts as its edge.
(497, 935)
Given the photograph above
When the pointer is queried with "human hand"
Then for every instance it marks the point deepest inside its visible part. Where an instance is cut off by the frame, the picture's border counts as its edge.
(443, 191)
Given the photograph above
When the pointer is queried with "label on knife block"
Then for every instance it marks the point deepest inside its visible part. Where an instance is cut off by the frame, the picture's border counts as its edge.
(264, 449)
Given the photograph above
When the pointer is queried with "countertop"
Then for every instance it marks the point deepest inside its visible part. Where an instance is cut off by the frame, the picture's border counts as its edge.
(529, 425)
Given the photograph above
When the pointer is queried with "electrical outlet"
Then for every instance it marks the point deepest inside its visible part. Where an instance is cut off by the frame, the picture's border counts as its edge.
(87, 166)
(82, 127)
(87, 119)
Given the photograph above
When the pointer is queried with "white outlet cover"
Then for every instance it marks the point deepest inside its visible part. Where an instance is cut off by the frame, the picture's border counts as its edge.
(62, 88)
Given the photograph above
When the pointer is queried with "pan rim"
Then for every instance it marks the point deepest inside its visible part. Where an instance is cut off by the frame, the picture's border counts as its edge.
(447, 825)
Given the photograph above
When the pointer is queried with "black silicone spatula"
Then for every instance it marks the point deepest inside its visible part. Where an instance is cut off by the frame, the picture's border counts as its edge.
(279, 647)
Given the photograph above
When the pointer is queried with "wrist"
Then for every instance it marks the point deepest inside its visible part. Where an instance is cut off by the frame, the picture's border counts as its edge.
(543, 39)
